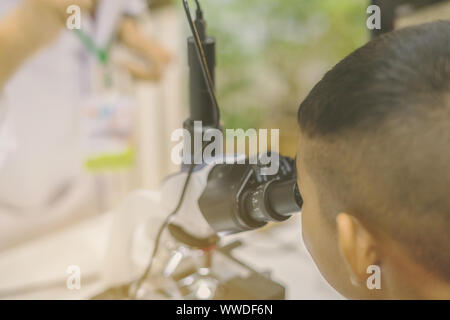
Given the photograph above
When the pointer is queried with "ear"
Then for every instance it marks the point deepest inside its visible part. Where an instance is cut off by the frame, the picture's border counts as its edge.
(356, 244)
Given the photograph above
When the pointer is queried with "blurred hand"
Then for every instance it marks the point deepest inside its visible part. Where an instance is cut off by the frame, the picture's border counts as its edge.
(32, 25)
(155, 57)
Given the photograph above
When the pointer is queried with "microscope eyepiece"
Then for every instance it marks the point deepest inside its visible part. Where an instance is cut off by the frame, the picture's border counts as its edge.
(273, 201)
(239, 197)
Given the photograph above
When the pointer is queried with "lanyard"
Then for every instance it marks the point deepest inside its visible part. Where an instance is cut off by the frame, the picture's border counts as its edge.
(102, 54)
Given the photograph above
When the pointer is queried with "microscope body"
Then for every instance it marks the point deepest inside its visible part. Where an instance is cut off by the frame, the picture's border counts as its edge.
(233, 195)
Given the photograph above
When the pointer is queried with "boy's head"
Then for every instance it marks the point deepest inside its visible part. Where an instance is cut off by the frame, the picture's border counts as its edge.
(374, 166)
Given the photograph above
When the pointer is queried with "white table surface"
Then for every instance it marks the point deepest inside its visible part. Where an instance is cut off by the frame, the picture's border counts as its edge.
(37, 270)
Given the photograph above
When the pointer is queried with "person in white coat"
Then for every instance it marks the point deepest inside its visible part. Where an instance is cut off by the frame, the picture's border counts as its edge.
(44, 75)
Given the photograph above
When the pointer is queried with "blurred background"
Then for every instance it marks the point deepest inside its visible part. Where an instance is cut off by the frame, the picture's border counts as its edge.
(269, 56)
(271, 53)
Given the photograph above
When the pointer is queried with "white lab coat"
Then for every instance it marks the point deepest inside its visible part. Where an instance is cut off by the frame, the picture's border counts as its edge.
(40, 118)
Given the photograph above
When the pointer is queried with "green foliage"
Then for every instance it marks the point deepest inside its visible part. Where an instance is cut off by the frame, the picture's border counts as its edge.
(271, 52)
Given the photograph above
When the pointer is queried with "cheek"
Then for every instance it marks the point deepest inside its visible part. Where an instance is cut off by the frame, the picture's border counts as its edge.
(320, 239)
(310, 231)
(305, 228)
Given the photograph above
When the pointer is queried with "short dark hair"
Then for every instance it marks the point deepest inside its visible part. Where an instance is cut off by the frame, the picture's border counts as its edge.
(385, 109)
(391, 73)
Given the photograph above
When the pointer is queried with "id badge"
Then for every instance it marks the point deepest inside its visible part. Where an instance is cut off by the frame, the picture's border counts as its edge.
(109, 131)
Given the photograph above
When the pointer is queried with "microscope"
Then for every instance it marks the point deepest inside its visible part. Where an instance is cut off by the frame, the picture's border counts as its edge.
(238, 195)
(215, 199)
